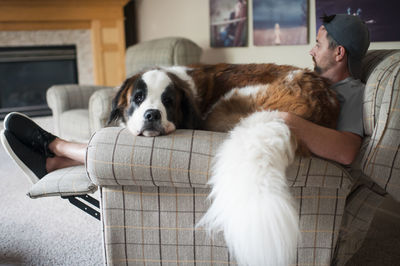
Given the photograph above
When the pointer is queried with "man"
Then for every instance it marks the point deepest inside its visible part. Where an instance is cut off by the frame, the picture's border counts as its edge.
(342, 42)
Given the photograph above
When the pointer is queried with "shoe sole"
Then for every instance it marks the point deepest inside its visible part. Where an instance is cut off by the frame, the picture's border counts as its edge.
(28, 172)
(9, 114)
(7, 117)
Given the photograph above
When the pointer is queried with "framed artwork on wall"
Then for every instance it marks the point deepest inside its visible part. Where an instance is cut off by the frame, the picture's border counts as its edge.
(283, 22)
(381, 17)
(228, 23)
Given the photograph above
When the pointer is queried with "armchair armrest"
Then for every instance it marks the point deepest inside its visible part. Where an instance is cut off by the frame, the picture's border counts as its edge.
(61, 98)
(100, 107)
(184, 159)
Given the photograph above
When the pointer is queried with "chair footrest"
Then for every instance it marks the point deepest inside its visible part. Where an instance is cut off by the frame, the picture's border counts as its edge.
(71, 181)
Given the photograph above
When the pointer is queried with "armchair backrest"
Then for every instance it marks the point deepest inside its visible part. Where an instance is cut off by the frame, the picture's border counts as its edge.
(379, 156)
(161, 52)
(377, 70)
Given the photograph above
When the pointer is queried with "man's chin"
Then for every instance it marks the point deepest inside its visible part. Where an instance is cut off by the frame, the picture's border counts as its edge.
(318, 70)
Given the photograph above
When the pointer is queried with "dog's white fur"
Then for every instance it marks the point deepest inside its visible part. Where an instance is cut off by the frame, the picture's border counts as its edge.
(251, 202)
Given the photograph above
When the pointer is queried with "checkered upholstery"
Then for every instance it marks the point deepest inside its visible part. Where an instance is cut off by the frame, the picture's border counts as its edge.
(153, 190)
(380, 156)
(360, 208)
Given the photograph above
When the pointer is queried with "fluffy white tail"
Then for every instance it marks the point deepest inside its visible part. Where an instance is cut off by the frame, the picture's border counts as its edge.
(251, 202)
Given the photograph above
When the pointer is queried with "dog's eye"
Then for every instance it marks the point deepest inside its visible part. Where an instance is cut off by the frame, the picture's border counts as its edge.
(138, 97)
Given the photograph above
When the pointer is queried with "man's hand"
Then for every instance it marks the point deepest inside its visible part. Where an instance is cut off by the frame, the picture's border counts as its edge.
(328, 143)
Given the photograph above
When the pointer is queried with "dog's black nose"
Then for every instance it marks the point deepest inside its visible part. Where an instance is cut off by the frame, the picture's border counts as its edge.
(152, 115)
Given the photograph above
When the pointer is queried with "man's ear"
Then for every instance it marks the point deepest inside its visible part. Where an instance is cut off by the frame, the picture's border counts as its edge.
(340, 53)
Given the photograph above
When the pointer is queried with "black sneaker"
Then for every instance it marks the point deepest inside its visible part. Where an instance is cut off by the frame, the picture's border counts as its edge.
(29, 133)
(33, 164)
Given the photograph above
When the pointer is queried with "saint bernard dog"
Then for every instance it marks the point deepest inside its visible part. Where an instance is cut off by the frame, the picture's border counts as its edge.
(250, 199)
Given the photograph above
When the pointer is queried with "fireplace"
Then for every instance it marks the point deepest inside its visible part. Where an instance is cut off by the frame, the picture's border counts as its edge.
(27, 72)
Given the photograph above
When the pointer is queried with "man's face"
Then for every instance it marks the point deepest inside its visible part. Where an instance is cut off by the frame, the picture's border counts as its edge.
(322, 55)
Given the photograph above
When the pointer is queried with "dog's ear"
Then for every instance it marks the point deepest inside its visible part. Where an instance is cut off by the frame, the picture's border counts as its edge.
(120, 101)
(191, 118)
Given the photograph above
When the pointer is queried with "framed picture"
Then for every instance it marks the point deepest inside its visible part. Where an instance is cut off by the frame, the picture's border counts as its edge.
(283, 22)
(228, 23)
(381, 17)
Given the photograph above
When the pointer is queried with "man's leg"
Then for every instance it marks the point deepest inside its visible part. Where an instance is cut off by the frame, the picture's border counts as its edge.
(72, 150)
(66, 154)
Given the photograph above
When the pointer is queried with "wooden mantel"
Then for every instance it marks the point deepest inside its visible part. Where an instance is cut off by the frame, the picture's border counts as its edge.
(105, 19)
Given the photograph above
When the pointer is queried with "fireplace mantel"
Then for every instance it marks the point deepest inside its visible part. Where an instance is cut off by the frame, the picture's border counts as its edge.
(104, 18)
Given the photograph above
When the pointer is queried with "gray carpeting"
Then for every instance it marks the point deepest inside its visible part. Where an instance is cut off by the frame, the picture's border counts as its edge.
(50, 231)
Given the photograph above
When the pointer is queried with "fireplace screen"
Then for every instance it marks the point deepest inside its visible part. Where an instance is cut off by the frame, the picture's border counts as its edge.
(27, 72)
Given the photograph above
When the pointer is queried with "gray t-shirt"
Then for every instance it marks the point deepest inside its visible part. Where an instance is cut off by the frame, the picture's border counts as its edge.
(350, 93)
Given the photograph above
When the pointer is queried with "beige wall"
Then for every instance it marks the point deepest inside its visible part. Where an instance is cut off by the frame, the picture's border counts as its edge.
(190, 18)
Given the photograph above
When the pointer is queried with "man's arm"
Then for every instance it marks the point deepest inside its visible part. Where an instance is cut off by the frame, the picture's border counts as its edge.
(338, 146)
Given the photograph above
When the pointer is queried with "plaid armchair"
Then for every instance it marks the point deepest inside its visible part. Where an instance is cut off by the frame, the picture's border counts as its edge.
(153, 190)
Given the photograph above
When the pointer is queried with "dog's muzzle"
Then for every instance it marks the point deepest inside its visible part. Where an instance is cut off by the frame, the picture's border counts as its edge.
(152, 123)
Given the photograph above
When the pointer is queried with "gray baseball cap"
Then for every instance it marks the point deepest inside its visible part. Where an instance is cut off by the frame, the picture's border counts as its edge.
(352, 33)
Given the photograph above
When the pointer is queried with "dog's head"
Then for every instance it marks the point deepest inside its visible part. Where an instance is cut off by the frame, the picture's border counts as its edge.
(154, 103)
